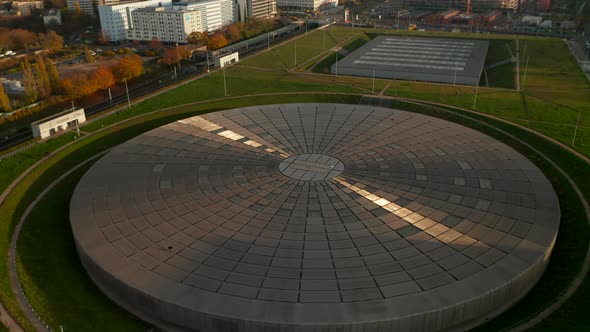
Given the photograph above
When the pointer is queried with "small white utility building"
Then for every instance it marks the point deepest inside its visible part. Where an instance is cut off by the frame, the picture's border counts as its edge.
(58, 123)
(227, 59)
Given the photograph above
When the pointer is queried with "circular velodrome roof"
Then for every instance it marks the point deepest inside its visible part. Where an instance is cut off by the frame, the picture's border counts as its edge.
(308, 216)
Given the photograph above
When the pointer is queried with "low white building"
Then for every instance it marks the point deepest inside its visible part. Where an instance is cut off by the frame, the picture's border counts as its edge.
(214, 13)
(163, 24)
(115, 19)
(52, 16)
(25, 7)
(305, 5)
(58, 123)
(227, 59)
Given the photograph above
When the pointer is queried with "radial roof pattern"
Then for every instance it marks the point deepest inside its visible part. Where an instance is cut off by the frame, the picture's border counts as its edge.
(357, 214)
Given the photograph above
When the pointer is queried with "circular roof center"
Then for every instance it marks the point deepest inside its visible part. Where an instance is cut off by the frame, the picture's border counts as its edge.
(311, 167)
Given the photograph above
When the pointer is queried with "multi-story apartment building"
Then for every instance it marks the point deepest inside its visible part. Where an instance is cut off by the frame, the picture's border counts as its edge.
(85, 6)
(163, 24)
(262, 8)
(306, 5)
(115, 19)
(214, 13)
(25, 7)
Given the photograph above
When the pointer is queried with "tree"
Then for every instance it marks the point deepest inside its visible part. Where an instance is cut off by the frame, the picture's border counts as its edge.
(22, 38)
(88, 55)
(4, 101)
(129, 67)
(174, 55)
(53, 75)
(42, 77)
(216, 41)
(79, 86)
(103, 78)
(155, 44)
(102, 38)
(198, 38)
(29, 80)
(51, 40)
(233, 32)
(77, 9)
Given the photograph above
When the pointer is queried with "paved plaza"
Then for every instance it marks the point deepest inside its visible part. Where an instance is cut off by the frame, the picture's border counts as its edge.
(443, 60)
(309, 217)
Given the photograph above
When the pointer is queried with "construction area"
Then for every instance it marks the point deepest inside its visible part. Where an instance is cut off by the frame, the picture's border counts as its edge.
(441, 60)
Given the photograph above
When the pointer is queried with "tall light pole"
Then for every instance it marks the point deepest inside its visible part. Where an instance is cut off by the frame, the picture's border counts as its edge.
(373, 78)
(128, 99)
(576, 129)
(110, 96)
(224, 84)
(526, 67)
(295, 43)
(455, 78)
(475, 98)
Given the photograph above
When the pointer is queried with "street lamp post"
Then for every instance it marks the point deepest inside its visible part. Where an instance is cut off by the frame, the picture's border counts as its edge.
(576, 129)
(224, 84)
(128, 99)
(526, 67)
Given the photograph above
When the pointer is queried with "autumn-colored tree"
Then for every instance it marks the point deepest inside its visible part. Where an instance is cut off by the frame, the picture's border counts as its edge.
(4, 101)
(53, 75)
(198, 38)
(103, 78)
(174, 55)
(155, 44)
(79, 85)
(77, 9)
(129, 67)
(5, 38)
(29, 80)
(216, 41)
(22, 38)
(102, 38)
(233, 32)
(88, 55)
(42, 77)
(51, 40)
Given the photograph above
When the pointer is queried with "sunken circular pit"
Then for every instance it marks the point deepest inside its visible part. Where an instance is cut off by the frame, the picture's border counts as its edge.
(314, 217)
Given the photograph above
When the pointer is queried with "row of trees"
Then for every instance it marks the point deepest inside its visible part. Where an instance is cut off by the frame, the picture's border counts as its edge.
(21, 38)
(235, 32)
(41, 79)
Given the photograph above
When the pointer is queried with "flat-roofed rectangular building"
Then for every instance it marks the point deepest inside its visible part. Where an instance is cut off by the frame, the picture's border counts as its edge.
(115, 19)
(85, 6)
(262, 8)
(58, 123)
(214, 13)
(443, 60)
(305, 5)
(25, 7)
(163, 24)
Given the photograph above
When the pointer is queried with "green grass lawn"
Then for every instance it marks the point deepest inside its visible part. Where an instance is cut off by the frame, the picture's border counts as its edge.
(65, 296)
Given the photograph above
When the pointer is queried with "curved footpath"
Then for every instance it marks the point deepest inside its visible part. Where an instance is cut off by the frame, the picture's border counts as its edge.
(16, 288)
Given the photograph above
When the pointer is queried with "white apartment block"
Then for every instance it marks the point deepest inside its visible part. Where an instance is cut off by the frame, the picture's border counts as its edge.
(25, 7)
(115, 19)
(262, 8)
(304, 5)
(214, 13)
(85, 6)
(163, 24)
